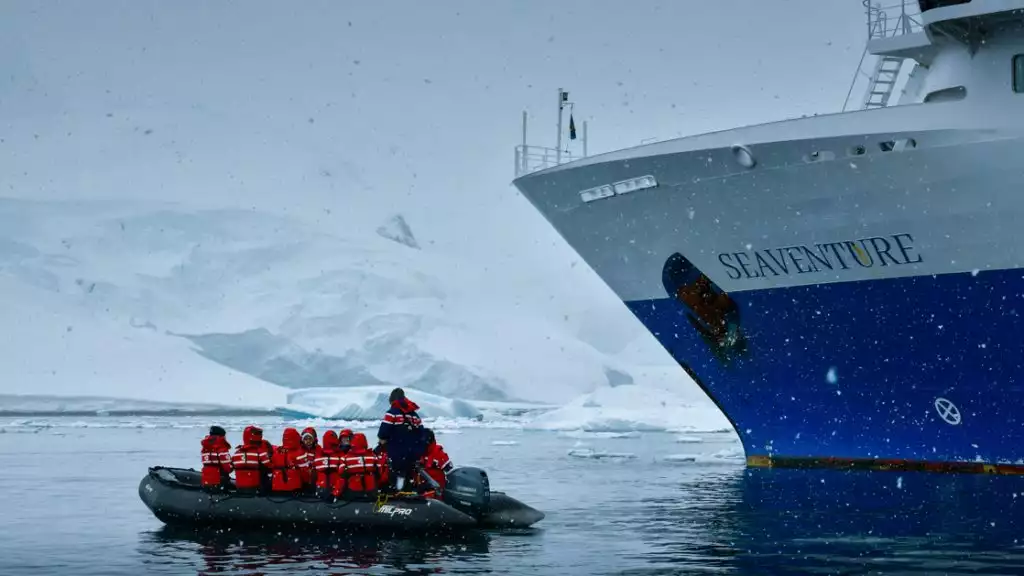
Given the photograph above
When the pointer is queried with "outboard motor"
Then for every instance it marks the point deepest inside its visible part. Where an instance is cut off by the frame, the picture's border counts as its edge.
(469, 491)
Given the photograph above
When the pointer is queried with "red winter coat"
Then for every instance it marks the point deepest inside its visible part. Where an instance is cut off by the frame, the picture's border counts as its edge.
(437, 464)
(306, 458)
(328, 460)
(216, 456)
(251, 459)
(287, 475)
(359, 472)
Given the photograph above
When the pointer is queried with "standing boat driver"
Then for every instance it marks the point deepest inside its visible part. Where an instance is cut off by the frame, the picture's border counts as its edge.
(401, 435)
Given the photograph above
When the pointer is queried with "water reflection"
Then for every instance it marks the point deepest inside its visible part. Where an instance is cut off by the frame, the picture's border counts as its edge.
(245, 552)
(760, 521)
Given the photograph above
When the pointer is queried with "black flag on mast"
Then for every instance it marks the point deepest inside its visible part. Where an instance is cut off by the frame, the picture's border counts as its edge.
(572, 128)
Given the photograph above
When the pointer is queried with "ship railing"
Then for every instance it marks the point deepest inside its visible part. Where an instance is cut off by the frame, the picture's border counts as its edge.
(894, 19)
(533, 158)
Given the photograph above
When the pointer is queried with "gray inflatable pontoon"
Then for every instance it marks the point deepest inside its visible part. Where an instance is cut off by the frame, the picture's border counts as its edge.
(175, 497)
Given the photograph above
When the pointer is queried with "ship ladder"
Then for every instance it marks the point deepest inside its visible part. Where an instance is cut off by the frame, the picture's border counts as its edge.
(883, 82)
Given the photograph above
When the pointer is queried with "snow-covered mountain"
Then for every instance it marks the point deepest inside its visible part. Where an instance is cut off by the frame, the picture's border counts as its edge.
(167, 303)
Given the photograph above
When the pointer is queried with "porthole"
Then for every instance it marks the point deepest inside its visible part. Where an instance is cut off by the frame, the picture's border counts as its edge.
(744, 156)
(819, 156)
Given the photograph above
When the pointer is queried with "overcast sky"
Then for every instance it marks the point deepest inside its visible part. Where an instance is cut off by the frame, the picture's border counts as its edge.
(326, 108)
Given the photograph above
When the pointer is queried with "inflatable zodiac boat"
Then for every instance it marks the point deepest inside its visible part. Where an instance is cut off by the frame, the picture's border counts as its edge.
(175, 497)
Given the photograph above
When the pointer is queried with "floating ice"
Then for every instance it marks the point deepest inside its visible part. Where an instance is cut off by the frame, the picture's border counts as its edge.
(729, 454)
(680, 458)
(600, 455)
(583, 435)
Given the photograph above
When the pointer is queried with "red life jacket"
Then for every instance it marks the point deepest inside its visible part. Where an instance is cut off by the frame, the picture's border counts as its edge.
(437, 464)
(251, 459)
(216, 456)
(306, 458)
(287, 476)
(327, 462)
(360, 469)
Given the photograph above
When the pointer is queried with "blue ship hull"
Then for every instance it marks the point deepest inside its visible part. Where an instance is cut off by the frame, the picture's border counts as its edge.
(824, 298)
(880, 373)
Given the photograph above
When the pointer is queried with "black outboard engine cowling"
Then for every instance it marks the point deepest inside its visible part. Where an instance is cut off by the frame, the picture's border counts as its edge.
(469, 491)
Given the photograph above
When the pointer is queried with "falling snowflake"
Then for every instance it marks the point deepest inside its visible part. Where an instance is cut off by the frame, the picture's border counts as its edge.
(831, 376)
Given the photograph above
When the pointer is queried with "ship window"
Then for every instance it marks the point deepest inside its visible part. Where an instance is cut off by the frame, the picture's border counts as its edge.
(899, 145)
(947, 94)
(927, 5)
(819, 156)
(1018, 73)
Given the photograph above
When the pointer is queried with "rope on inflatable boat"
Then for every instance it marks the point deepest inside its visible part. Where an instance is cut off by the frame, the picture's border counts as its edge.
(219, 497)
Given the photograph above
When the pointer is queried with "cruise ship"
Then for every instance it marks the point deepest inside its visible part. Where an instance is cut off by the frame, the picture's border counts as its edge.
(847, 288)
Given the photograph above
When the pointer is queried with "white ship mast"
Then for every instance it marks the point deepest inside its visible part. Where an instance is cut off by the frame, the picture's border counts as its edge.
(531, 158)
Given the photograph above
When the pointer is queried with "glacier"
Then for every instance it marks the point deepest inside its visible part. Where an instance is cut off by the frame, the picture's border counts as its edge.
(161, 302)
(369, 402)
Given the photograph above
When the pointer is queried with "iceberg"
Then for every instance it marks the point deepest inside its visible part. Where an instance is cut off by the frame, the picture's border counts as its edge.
(657, 404)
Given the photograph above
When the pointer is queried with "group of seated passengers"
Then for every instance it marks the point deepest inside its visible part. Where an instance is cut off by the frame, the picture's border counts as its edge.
(343, 467)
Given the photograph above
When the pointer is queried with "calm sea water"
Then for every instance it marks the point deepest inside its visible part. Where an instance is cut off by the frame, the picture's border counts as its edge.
(71, 507)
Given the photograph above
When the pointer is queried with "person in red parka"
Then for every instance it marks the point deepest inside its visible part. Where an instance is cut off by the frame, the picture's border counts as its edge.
(326, 464)
(359, 473)
(307, 456)
(285, 462)
(251, 461)
(435, 462)
(216, 453)
(344, 440)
